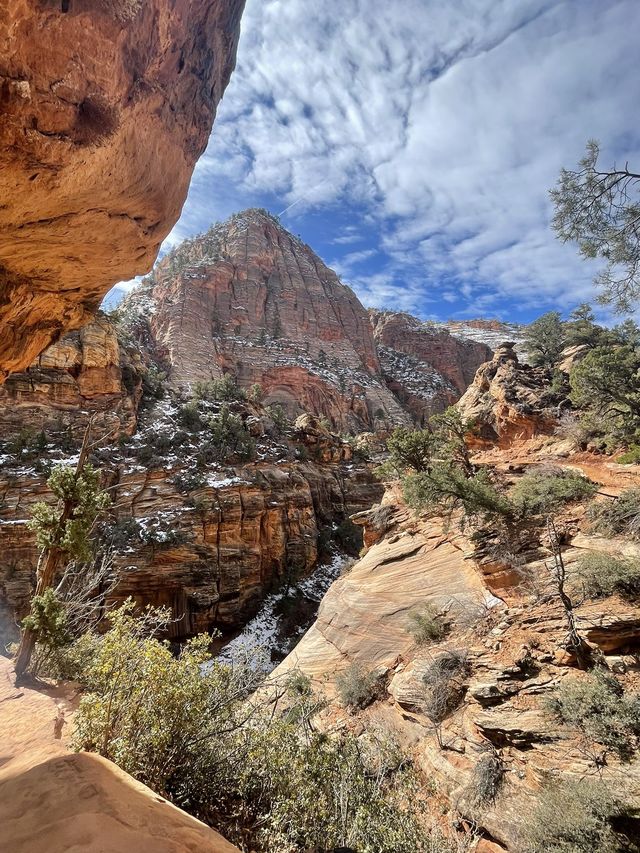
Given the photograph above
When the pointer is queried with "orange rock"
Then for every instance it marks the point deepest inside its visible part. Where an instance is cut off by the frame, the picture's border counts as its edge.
(86, 373)
(105, 109)
(504, 401)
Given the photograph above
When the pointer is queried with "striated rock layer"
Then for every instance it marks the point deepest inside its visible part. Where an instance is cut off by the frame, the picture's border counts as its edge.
(512, 640)
(249, 299)
(425, 366)
(104, 109)
(88, 372)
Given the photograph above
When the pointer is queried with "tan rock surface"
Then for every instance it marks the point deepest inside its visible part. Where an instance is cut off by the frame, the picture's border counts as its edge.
(504, 401)
(516, 653)
(105, 109)
(365, 616)
(54, 800)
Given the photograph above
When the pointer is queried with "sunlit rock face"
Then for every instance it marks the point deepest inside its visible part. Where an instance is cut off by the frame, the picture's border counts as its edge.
(426, 366)
(87, 374)
(250, 299)
(105, 106)
(506, 401)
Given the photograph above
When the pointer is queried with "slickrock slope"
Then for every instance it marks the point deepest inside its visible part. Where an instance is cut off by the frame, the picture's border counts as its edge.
(366, 615)
(54, 800)
(250, 299)
(104, 109)
(425, 366)
(513, 642)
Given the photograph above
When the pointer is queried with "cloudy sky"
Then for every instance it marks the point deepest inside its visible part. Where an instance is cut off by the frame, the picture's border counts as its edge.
(412, 143)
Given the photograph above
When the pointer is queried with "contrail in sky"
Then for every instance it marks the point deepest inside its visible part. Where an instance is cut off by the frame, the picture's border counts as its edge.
(302, 197)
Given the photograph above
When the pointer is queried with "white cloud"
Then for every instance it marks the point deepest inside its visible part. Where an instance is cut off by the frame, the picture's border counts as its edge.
(445, 123)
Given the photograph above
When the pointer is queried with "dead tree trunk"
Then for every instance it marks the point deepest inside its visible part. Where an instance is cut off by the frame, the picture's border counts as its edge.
(575, 642)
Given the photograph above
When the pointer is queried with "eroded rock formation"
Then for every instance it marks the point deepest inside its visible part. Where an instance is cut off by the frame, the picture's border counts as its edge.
(105, 106)
(425, 366)
(508, 401)
(249, 299)
(88, 372)
(208, 542)
(512, 641)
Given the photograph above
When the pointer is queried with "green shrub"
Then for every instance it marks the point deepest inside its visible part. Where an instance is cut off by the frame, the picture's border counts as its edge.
(599, 708)
(279, 417)
(69, 532)
(268, 782)
(190, 417)
(631, 457)
(27, 445)
(602, 574)
(410, 449)
(153, 383)
(218, 390)
(357, 687)
(573, 817)
(446, 488)
(544, 339)
(228, 439)
(154, 447)
(188, 481)
(618, 517)
(544, 491)
(48, 620)
(427, 625)
(256, 393)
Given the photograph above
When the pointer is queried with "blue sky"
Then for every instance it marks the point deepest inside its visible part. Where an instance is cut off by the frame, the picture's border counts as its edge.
(412, 142)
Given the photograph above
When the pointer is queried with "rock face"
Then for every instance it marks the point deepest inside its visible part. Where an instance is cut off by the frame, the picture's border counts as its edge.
(206, 541)
(88, 372)
(506, 400)
(513, 648)
(105, 107)
(425, 366)
(91, 804)
(249, 299)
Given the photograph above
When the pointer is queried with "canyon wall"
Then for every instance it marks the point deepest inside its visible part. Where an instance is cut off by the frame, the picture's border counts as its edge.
(425, 366)
(105, 107)
(511, 636)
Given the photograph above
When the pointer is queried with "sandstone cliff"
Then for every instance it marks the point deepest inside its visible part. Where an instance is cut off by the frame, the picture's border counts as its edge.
(106, 106)
(205, 534)
(88, 372)
(425, 366)
(249, 299)
(512, 642)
